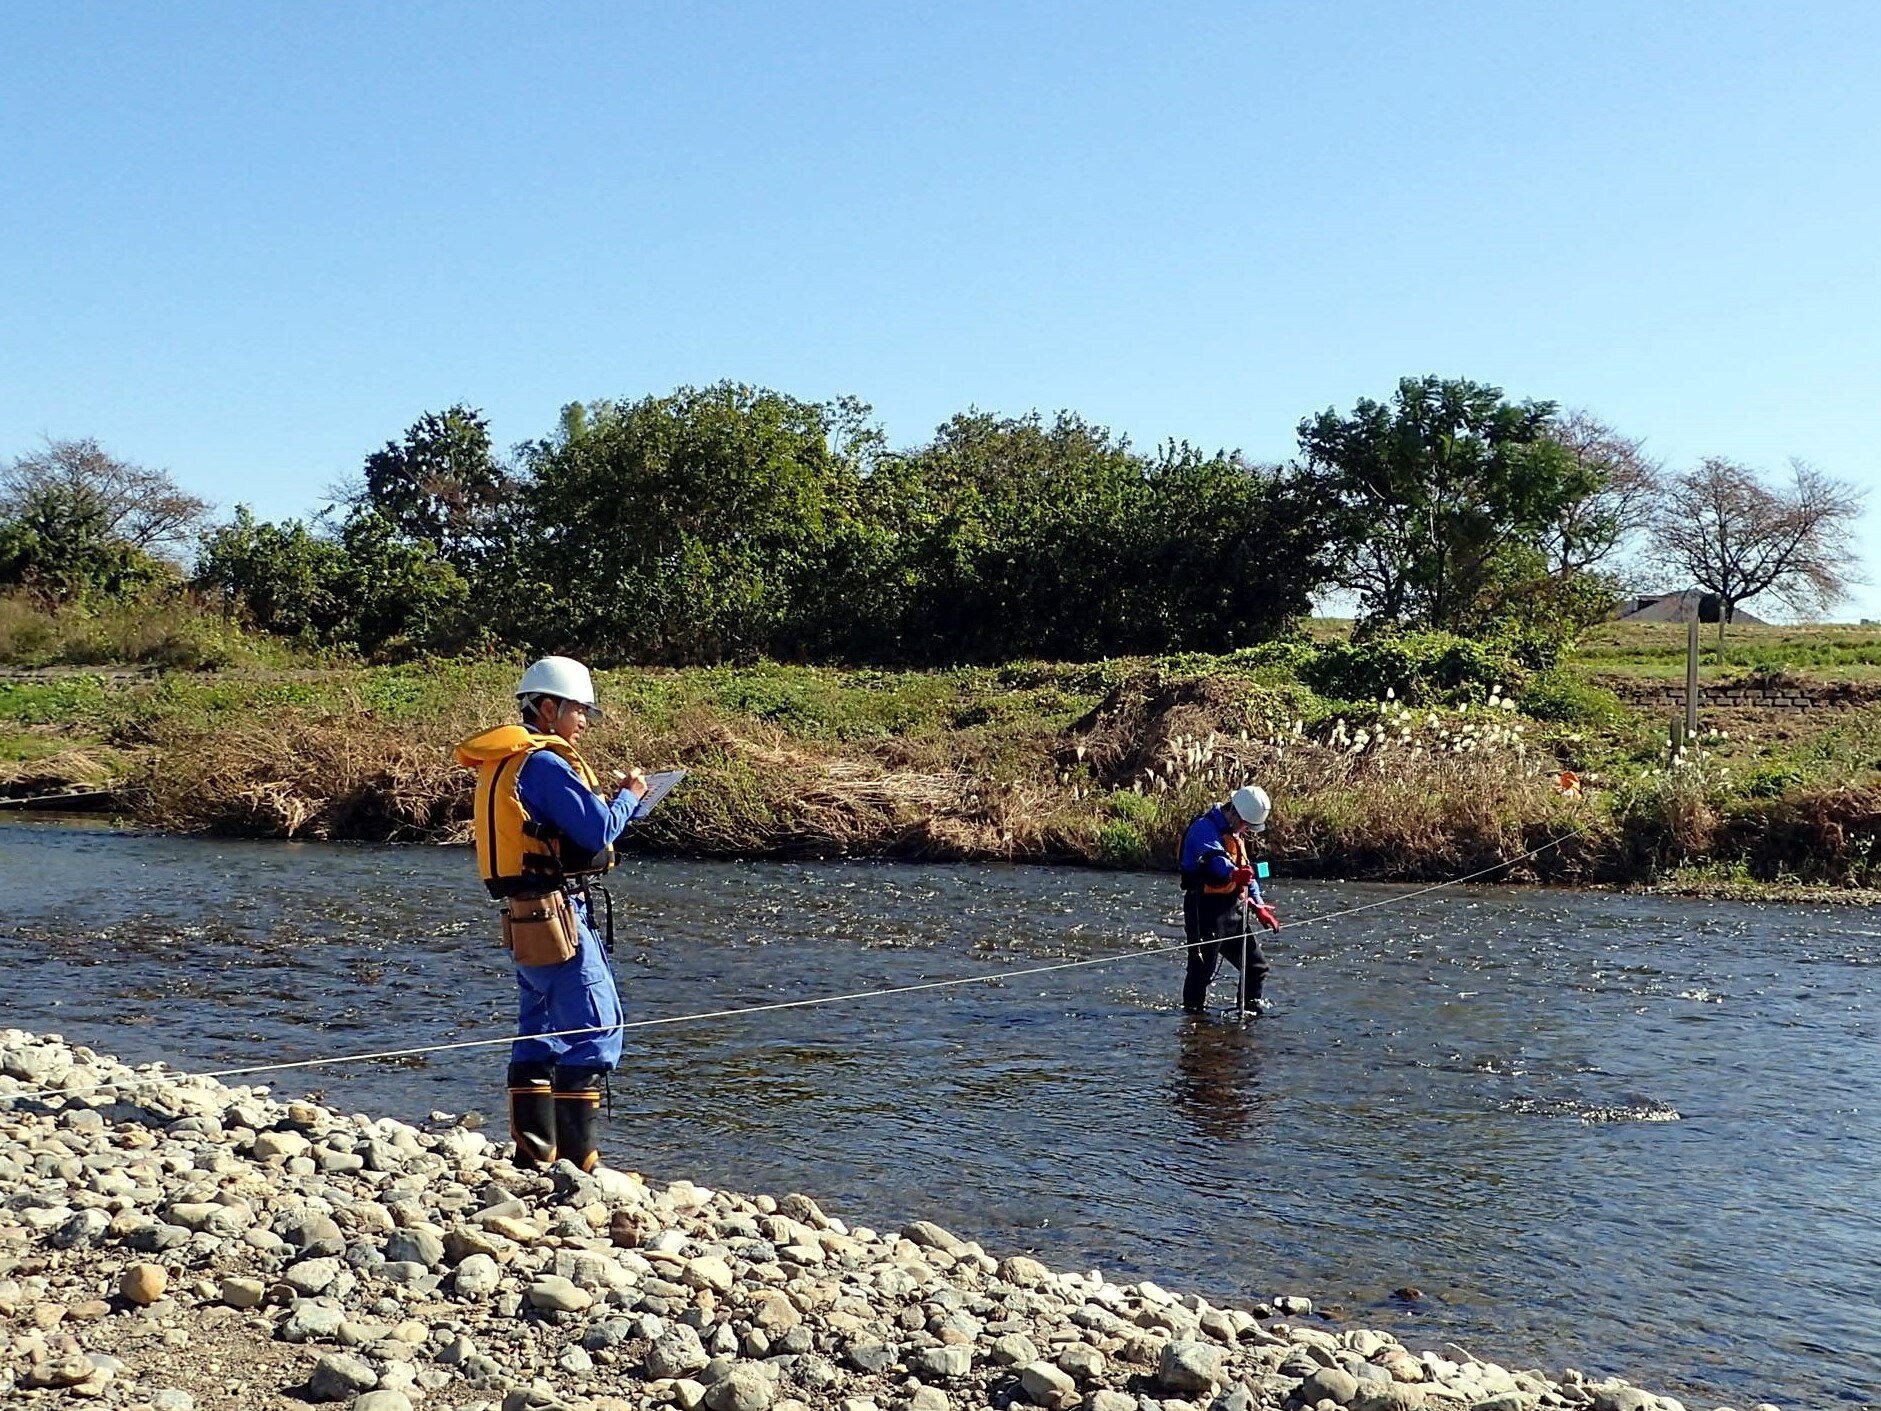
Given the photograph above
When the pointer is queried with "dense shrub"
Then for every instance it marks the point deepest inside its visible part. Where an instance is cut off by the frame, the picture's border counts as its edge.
(1415, 667)
(1566, 699)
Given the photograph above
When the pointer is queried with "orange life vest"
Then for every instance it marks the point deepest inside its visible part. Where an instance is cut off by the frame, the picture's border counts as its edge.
(1237, 857)
(519, 855)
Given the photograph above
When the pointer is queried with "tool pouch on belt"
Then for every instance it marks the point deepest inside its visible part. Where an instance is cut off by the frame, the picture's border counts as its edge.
(540, 930)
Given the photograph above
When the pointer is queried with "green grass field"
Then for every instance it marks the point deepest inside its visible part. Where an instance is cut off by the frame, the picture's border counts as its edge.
(1823, 651)
(1840, 652)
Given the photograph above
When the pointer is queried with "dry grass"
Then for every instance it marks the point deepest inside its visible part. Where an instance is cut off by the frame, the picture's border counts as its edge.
(1106, 770)
(301, 773)
(59, 771)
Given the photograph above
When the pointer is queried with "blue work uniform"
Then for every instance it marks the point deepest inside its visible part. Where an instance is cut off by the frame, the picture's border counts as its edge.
(1214, 912)
(580, 992)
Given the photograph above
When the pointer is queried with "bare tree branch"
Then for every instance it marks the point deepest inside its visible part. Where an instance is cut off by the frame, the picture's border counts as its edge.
(1591, 532)
(1722, 527)
(142, 507)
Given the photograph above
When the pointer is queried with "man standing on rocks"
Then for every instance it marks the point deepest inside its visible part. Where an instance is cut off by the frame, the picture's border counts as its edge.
(1221, 898)
(543, 827)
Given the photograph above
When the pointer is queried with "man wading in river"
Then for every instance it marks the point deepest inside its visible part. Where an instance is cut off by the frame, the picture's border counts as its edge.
(1221, 900)
(543, 828)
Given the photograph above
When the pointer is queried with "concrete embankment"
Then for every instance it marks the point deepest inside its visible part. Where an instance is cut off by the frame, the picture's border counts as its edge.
(171, 1243)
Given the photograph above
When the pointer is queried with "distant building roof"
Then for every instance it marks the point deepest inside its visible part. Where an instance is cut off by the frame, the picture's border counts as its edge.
(1677, 607)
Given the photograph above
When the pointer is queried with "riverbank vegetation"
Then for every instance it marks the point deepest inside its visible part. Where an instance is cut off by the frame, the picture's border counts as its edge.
(1022, 638)
(1457, 768)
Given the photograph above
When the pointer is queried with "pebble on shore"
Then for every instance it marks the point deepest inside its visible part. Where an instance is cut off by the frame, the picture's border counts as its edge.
(344, 1259)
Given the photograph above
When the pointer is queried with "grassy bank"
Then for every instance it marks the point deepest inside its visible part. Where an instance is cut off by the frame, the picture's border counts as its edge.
(1098, 763)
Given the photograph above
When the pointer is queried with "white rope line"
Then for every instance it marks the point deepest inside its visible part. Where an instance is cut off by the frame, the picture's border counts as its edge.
(1318, 919)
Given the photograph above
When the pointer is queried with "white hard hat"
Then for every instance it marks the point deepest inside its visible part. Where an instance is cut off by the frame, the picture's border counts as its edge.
(1251, 805)
(563, 677)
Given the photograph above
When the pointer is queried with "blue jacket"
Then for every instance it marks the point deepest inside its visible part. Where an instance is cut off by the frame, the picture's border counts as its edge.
(551, 790)
(1205, 852)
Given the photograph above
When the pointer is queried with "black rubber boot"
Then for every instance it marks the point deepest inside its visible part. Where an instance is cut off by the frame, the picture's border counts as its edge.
(577, 1114)
(532, 1114)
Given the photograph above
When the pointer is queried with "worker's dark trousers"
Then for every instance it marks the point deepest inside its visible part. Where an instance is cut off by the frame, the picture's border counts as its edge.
(1214, 925)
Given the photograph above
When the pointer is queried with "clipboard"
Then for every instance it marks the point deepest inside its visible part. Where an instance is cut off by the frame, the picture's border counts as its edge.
(658, 787)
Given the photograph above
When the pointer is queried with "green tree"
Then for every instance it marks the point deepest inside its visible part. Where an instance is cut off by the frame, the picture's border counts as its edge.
(286, 578)
(1020, 537)
(57, 543)
(366, 587)
(78, 524)
(687, 528)
(1437, 496)
(444, 485)
(401, 597)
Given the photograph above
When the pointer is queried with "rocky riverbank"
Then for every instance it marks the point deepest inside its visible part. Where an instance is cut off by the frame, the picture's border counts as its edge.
(171, 1243)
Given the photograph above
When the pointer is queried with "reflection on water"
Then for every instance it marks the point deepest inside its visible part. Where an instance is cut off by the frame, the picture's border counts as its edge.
(1218, 1077)
(1624, 1134)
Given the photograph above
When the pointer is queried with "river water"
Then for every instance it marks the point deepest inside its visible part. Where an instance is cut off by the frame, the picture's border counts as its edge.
(1631, 1135)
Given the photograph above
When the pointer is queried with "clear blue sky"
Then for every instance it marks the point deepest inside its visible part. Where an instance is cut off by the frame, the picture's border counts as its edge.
(252, 242)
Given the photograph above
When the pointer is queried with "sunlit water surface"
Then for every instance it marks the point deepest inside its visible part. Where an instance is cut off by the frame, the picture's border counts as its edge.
(1630, 1135)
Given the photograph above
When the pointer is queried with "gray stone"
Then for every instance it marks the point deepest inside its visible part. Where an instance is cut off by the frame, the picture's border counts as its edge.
(84, 1229)
(340, 1376)
(1621, 1398)
(382, 1401)
(555, 1294)
(929, 1399)
(795, 1340)
(416, 1246)
(1388, 1396)
(1329, 1384)
(311, 1276)
(477, 1277)
(1189, 1366)
(1046, 1380)
(575, 1362)
(1012, 1350)
(1083, 1362)
(239, 1292)
(745, 1389)
(945, 1363)
(1110, 1401)
(311, 1321)
(677, 1352)
(616, 1331)
(318, 1238)
(171, 1399)
(870, 1357)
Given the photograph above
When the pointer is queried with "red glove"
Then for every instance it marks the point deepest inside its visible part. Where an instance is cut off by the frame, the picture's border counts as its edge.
(1241, 878)
(1267, 917)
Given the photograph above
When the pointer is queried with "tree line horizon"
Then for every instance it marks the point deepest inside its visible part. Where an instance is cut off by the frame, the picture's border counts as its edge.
(730, 522)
